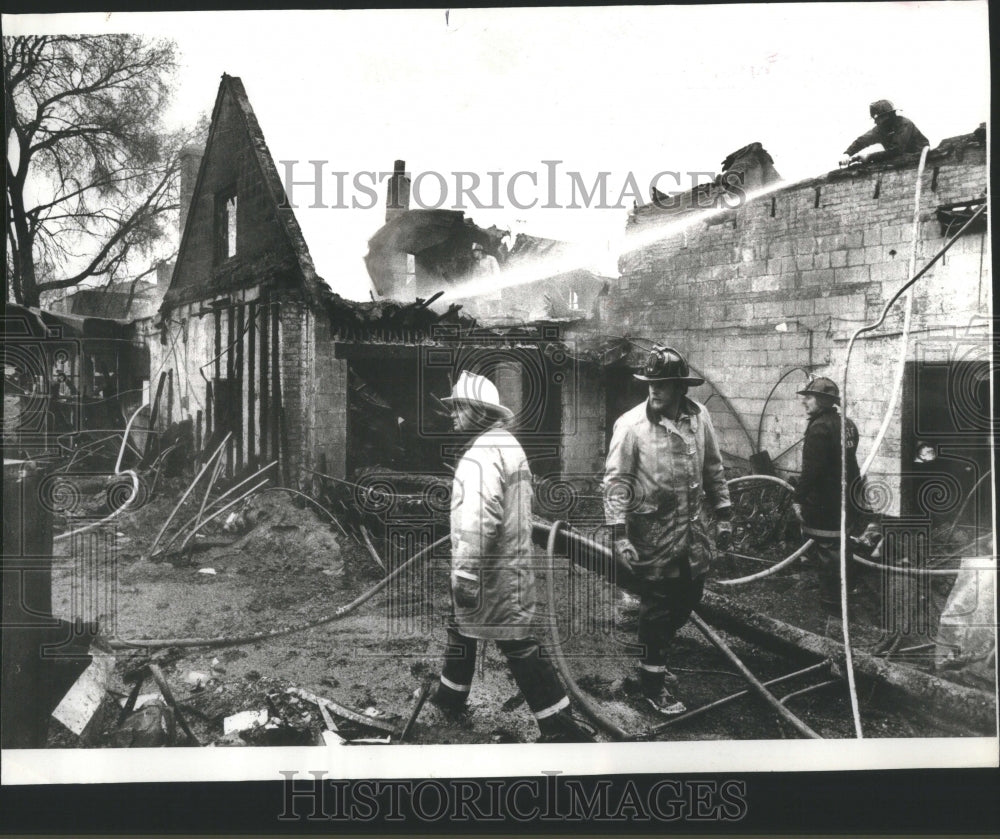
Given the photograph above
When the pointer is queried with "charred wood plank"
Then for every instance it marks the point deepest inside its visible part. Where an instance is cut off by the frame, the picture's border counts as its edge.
(252, 384)
(930, 696)
(265, 396)
(275, 419)
(238, 370)
(232, 419)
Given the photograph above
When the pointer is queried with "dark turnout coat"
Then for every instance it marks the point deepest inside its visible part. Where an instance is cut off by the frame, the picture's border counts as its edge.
(818, 490)
(898, 135)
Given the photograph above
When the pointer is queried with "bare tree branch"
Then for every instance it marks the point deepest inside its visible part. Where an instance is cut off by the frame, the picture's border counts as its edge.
(90, 169)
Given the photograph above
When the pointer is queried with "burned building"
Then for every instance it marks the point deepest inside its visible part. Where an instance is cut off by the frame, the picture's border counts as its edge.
(67, 377)
(419, 252)
(251, 341)
(763, 290)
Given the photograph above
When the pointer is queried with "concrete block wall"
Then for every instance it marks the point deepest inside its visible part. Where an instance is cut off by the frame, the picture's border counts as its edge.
(325, 393)
(583, 421)
(821, 258)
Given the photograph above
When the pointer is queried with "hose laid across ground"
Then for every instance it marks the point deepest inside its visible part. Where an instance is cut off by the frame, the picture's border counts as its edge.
(788, 560)
(582, 701)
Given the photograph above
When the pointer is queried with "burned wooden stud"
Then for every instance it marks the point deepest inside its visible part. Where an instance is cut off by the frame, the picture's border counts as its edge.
(342, 711)
(170, 396)
(231, 416)
(275, 419)
(218, 342)
(251, 384)
(265, 397)
(421, 698)
(209, 399)
(238, 369)
(168, 695)
(154, 413)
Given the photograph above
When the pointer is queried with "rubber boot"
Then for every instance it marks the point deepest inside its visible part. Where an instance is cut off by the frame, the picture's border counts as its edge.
(656, 695)
(564, 727)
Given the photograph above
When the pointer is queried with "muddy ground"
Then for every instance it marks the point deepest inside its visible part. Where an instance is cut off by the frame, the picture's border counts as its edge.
(283, 564)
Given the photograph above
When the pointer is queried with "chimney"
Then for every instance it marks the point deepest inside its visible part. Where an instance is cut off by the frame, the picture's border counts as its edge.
(397, 199)
(190, 160)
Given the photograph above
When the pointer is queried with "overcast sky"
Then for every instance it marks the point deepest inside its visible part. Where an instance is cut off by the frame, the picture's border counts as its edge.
(617, 89)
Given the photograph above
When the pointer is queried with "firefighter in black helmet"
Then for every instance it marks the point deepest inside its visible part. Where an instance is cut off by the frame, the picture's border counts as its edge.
(663, 465)
(817, 496)
(896, 133)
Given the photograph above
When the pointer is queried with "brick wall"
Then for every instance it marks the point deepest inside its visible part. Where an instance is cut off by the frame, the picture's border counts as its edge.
(785, 279)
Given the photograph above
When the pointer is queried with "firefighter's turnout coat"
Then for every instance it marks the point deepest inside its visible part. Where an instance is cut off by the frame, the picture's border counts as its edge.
(657, 477)
(818, 490)
(492, 567)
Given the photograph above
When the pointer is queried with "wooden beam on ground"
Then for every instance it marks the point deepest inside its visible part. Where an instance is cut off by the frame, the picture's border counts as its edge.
(944, 702)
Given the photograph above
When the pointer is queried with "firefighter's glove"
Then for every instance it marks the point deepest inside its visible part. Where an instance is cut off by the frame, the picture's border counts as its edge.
(626, 552)
(797, 509)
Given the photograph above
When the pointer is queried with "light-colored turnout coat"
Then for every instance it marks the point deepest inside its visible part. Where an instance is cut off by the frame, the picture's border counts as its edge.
(492, 565)
(657, 477)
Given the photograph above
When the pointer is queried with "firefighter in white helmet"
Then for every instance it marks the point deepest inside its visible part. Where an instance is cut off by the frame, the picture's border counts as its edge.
(494, 591)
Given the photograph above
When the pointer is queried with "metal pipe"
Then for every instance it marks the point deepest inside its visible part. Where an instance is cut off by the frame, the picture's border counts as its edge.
(187, 492)
(208, 490)
(752, 680)
(226, 494)
(726, 700)
(809, 689)
(220, 511)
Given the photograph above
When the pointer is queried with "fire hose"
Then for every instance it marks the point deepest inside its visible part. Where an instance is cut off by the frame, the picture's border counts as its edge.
(897, 382)
(583, 703)
(619, 572)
